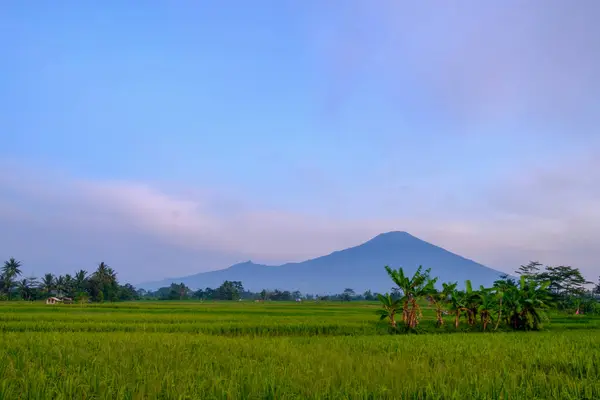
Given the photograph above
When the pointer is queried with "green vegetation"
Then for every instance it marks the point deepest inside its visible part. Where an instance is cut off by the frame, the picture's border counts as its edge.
(519, 306)
(467, 345)
(279, 350)
(101, 285)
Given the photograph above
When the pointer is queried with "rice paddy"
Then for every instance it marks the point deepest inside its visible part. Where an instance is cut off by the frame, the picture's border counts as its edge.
(230, 350)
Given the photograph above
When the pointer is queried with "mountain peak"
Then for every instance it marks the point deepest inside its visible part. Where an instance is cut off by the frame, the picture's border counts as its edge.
(359, 268)
(393, 236)
(248, 263)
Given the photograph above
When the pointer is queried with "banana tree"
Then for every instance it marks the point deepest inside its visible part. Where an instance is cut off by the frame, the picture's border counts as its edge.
(487, 304)
(457, 305)
(390, 308)
(472, 301)
(533, 298)
(439, 300)
(524, 304)
(413, 288)
(420, 292)
(403, 284)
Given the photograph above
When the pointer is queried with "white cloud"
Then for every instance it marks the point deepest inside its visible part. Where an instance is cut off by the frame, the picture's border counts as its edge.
(551, 214)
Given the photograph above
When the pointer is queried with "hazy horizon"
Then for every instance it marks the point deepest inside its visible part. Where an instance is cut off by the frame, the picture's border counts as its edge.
(177, 138)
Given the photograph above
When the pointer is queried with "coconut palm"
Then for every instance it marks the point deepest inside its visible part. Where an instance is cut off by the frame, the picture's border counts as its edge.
(69, 285)
(102, 272)
(48, 283)
(10, 270)
(80, 280)
(103, 283)
(25, 288)
(59, 285)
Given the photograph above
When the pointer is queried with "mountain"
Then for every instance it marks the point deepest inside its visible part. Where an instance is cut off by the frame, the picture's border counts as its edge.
(359, 268)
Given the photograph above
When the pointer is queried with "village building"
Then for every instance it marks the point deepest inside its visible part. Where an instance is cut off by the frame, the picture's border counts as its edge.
(53, 300)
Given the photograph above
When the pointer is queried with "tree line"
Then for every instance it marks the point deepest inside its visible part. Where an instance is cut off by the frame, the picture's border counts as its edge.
(518, 304)
(564, 286)
(234, 290)
(98, 286)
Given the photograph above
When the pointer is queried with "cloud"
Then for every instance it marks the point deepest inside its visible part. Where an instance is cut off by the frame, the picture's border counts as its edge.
(475, 62)
(57, 222)
(554, 211)
(511, 69)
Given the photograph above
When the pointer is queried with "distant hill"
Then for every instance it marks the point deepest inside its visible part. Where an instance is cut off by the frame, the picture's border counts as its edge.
(359, 268)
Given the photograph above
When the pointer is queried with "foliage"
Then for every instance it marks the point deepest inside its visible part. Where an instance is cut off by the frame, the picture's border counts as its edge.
(412, 289)
(247, 350)
(389, 310)
(348, 294)
(519, 305)
(177, 291)
(440, 301)
(369, 296)
(10, 270)
(564, 280)
(101, 285)
(530, 270)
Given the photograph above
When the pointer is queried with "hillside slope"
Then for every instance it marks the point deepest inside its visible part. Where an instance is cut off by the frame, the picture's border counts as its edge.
(359, 268)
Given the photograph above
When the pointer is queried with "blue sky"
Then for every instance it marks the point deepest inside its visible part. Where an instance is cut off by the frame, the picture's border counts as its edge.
(199, 134)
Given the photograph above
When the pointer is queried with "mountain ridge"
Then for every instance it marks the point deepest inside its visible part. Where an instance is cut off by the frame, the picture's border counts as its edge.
(359, 267)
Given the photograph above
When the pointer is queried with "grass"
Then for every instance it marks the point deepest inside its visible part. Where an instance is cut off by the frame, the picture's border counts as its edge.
(172, 350)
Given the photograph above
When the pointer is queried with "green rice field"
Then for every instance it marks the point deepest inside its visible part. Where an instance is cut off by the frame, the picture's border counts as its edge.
(246, 350)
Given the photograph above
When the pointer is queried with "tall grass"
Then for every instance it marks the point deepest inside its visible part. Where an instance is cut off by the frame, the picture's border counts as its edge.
(137, 352)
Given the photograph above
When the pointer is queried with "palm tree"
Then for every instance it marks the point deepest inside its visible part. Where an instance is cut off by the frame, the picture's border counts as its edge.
(48, 283)
(25, 287)
(10, 270)
(69, 285)
(390, 308)
(59, 285)
(80, 280)
(111, 275)
(104, 280)
(102, 271)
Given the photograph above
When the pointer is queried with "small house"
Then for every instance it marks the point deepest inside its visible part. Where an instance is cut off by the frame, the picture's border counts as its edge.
(53, 300)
